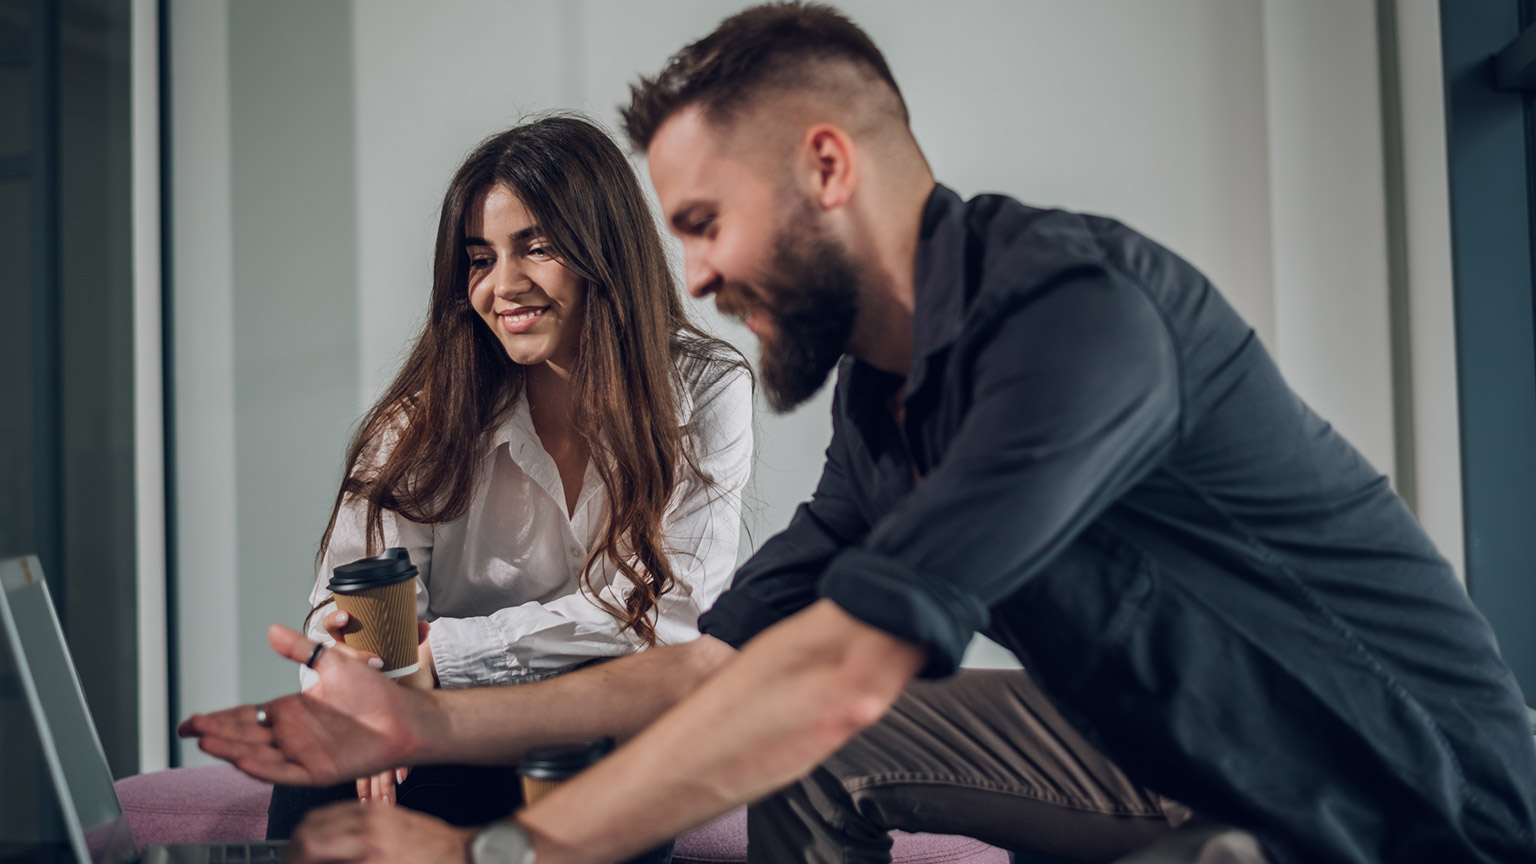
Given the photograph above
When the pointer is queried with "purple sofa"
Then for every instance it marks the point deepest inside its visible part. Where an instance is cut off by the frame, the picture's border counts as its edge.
(217, 802)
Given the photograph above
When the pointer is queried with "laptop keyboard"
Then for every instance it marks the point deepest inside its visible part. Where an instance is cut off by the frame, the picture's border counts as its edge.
(246, 853)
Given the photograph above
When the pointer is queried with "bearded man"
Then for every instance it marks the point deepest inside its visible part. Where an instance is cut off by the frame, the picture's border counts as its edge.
(1046, 428)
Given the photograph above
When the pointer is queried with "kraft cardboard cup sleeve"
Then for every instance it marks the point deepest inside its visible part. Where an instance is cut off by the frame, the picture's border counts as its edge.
(379, 596)
(543, 769)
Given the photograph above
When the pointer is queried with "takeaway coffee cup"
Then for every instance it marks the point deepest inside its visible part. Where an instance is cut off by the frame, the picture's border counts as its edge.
(545, 768)
(379, 596)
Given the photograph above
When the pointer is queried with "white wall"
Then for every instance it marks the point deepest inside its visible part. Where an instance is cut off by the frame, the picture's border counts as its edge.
(1328, 216)
(424, 97)
(148, 395)
(296, 338)
(1242, 133)
(264, 276)
(209, 638)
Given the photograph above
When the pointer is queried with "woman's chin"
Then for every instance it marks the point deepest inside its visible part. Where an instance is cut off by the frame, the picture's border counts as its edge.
(524, 358)
(525, 351)
(532, 351)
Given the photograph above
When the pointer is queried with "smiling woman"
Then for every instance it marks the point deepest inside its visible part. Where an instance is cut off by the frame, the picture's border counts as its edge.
(530, 300)
(562, 454)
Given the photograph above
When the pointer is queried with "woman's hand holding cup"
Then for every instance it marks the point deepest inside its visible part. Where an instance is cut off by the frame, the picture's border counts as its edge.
(335, 624)
(380, 788)
(425, 677)
(376, 603)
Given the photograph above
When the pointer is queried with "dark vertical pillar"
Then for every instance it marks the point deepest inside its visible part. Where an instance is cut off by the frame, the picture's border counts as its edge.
(1491, 197)
(167, 371)
(46, 305)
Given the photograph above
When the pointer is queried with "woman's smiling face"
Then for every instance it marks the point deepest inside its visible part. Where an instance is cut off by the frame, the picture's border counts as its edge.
(530, 301)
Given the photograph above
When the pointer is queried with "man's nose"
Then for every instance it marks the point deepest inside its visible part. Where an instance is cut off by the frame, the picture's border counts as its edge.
(699, 278)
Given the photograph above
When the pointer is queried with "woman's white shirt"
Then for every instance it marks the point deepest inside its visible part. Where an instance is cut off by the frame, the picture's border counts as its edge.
(502, 583)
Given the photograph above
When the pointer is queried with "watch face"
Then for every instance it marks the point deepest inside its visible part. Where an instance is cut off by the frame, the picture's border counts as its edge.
(501, 843)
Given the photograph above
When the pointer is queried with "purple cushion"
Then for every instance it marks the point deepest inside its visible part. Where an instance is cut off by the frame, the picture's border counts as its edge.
(204, 803)
(218, 803)
(724, 841)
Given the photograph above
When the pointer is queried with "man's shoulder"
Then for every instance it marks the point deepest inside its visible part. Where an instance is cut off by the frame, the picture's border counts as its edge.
(1015, 251)
(1018, 246)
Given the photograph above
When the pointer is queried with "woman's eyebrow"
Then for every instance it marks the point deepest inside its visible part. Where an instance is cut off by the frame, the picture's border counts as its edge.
(517, 236)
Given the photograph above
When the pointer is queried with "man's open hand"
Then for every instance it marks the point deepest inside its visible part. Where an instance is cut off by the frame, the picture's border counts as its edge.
(353, 723)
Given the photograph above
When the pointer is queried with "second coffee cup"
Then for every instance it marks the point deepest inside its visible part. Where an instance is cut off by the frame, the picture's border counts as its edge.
(379, 596)
(543, 769)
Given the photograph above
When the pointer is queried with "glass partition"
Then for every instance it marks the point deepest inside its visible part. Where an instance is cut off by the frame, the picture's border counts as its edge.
(66, 362)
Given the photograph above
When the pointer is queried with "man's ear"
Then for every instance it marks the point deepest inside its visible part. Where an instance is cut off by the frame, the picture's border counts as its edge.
(834, 163)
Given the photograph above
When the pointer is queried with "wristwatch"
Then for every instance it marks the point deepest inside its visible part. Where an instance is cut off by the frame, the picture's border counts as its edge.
(501, 843)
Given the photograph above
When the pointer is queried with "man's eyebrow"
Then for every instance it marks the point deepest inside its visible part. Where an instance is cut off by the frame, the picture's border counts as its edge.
(517, 236)
(682, 217)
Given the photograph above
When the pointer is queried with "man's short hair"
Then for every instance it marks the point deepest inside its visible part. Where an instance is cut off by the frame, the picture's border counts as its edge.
(775, 46)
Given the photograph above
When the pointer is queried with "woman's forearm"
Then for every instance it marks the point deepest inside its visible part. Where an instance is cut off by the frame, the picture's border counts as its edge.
(496, 725)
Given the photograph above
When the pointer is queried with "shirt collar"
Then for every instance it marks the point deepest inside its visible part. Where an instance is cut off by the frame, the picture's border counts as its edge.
(938, 308)
(939, 295)
(938, 301)
(516, 430)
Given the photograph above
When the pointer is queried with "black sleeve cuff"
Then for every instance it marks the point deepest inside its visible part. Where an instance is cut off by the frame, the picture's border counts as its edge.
(912, 607)
(738, 616)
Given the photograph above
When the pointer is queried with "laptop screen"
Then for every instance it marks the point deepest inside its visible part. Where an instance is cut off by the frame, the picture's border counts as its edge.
(46, 679)
(31, 825)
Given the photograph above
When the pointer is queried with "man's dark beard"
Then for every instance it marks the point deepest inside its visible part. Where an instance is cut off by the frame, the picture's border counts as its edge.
(814, 300)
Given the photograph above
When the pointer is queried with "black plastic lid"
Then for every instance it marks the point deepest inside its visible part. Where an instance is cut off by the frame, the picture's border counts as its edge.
(365, 573)
(564, 760)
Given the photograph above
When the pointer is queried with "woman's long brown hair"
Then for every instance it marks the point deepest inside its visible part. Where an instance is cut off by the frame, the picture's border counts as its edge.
(636, 344)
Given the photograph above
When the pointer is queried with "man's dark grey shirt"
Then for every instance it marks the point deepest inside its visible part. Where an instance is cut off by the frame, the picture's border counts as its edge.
(1117, 485)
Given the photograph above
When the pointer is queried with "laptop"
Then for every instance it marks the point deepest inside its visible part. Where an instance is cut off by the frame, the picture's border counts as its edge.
(94, 828)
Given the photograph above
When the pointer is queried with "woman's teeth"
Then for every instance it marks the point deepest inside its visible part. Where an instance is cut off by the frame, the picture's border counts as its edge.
(524, 316)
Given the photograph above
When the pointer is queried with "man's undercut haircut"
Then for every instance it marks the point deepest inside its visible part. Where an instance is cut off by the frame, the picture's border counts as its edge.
(773, 47)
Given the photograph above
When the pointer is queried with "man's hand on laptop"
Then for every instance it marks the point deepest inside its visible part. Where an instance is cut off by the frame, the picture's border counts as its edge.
(353, 723)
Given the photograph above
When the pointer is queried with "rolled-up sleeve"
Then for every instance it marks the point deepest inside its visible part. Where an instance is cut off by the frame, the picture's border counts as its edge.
(1074, 396)
(529, 641)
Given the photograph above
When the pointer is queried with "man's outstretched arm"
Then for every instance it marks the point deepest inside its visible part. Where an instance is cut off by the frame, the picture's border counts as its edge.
(356, 722)
(795, 695)
(496, 725)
